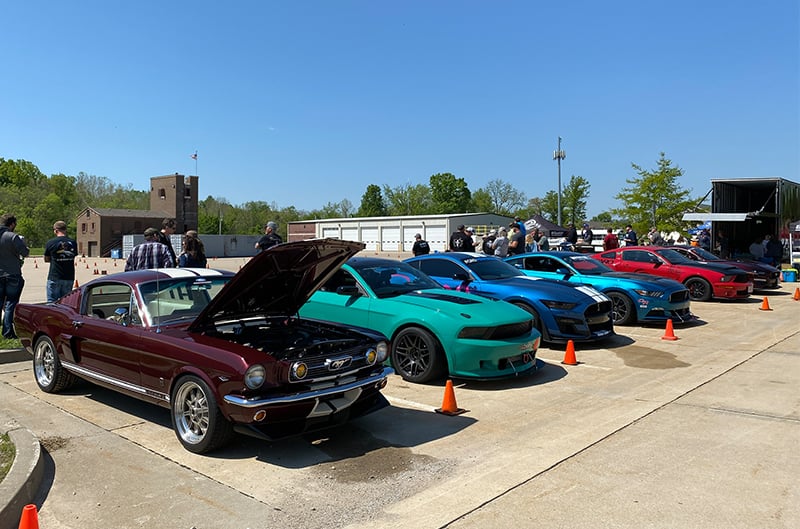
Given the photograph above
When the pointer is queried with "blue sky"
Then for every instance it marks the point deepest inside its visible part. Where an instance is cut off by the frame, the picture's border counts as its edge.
(304, 103)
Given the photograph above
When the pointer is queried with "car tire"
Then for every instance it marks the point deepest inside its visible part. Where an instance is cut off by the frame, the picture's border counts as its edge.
(50, 375)
(417, 356)
(537, 320)
(699, 289)
(196, 418)
(622, 311)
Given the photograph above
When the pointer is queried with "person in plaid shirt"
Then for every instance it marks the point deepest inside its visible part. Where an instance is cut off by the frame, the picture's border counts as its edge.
(149, 254)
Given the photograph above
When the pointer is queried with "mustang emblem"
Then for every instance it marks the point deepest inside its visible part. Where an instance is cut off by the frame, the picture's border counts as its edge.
(338, 363)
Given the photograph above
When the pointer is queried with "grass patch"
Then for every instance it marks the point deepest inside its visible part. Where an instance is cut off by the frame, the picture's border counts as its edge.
(7, 453)
(5, 343)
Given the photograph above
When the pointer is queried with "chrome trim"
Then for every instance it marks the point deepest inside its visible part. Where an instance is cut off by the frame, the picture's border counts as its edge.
(309, 395)
(86, 373)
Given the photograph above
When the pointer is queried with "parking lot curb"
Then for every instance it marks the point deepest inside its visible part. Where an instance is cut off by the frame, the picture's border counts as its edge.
(21, 484)
(8, 356)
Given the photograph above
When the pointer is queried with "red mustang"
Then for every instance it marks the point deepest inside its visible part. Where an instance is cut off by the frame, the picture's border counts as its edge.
(704, 281)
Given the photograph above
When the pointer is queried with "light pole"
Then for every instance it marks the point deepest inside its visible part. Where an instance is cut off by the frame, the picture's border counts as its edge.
(559, 155)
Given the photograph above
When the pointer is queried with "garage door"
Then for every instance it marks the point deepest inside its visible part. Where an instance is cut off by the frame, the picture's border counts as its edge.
(390, 239)
(330, 233)
(350, 234)
(437, 238)
(370, 237)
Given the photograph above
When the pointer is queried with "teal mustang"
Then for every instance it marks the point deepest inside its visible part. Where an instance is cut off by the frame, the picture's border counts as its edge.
(434, 332)
(636, 297)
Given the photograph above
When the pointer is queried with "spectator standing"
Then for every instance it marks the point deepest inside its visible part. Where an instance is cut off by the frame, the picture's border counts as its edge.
(542, 241)
(587, 234)
(270, 237)
(471, 234)
(149, 254)
(13, 251)
(522, 229)
(488, 241)
(572, 234)
(421, 246)
(516, 241)
(500, 244)
(168, 227)
(773, 251)
(60, 252)
(704, 240)
(723, 245)
(530, 243)
(655, 238)
(194, 252)
(460, 241)
(630, 236)
(610, 241)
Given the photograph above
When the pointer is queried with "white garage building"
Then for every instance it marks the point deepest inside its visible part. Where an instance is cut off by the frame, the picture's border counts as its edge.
(396, 234)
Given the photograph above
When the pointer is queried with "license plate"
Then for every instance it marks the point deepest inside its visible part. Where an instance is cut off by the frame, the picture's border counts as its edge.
(750, 288)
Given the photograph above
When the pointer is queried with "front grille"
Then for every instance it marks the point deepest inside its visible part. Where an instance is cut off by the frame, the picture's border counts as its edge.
(511, 330)
(596, 309)
(598, 317)
(677, 297)
(318, 368)
(742, 278)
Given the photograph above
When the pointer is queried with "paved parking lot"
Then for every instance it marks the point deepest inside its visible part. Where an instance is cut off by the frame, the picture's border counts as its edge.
(644, 432)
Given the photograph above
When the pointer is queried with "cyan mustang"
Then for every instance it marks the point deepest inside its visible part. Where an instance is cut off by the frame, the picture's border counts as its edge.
(434, 332)
(636, 297)
(562, 311)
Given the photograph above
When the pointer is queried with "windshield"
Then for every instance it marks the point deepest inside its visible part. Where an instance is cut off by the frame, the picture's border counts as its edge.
(178, 299)
(705, 255)
(491, 268)
(587, 265)
(673, 256)
(387, 278)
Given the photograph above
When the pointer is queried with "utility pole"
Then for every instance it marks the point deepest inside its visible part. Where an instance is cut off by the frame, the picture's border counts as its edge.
(559, 155)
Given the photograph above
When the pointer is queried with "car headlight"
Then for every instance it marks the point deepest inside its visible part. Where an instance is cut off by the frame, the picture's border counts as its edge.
(254, 376)
(475, 333)
(727, 278)
(383, 351)
(649, 293)
(558, 305)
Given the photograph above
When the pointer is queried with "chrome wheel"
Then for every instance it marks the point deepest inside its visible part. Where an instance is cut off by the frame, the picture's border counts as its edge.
(197, 421)
(50, 375)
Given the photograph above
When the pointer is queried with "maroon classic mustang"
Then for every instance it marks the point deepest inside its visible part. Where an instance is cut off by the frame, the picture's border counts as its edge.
(223, 352)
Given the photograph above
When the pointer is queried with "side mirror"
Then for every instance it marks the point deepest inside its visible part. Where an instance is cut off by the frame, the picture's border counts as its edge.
(564, 272)
(461, 276)
(120, 316)
(347, 290)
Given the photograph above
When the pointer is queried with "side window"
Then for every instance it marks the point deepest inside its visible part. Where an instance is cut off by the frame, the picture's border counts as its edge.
(609, 255)
(637, 256)
(102, 301)
(340, 278)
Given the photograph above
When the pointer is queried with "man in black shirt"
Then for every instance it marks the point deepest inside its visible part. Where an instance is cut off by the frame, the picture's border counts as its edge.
(168, 227)
(60, 252)
(420, 246)
(270, 237)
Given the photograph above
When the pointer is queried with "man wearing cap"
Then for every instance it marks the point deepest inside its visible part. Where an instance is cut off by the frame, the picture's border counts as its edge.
(60, 252)
(488, 241)
(149, 254)
(270, 237)
(421, 246)
(587, 234)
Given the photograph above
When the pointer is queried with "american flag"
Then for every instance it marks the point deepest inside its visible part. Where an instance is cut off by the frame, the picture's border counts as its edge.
(194, 156)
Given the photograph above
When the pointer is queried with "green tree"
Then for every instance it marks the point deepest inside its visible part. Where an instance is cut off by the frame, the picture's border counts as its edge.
(654, 198)
(408, 199)
(333, 210)
(549, 205)
(605, 217)
(372, 203)
(573, 200)
(449, 194)
(504, 198)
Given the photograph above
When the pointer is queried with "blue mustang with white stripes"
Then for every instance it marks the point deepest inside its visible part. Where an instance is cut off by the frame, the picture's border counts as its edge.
(562, 311)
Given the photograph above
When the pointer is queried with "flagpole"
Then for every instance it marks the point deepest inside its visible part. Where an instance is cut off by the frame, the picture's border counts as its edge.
(195, 163)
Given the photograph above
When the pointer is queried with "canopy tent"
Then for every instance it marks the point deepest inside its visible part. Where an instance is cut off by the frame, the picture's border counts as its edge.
(794, 243)
(537, 222)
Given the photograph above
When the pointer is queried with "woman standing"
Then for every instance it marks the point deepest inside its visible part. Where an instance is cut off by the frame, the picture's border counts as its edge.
(194, 253)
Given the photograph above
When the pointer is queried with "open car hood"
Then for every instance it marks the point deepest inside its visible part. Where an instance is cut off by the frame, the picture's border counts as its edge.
(278, 281)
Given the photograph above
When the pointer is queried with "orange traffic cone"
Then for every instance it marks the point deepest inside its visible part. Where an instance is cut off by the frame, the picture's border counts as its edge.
(765, 304)
(569, 355)
(30, 518)
(669, 334)
(796, 296)
(449, 406)
(35, 263)
(75, 285)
